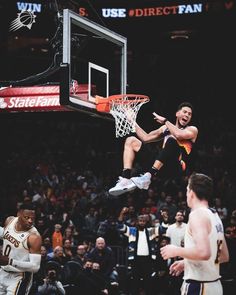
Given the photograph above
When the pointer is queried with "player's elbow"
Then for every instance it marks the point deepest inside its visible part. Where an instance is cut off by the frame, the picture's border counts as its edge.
(204, 255)
(35, 268)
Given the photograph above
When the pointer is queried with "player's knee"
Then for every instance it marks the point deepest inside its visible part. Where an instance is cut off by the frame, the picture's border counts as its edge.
(133, 143)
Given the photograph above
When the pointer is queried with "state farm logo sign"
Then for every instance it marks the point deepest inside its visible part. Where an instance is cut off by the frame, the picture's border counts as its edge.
(29, 102)
(3, 104)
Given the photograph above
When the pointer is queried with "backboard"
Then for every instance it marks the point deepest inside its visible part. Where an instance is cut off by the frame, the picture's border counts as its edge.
(95, 56)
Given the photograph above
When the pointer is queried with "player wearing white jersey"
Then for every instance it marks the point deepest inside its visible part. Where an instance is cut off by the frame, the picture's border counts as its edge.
(204, 246)
(20, 256)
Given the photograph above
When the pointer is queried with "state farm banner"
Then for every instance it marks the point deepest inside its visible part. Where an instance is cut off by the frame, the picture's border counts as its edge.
(31, 103)
(34, 98)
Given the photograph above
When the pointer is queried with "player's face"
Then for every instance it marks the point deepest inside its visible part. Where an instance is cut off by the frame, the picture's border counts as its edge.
(27, 218)
(184, 116)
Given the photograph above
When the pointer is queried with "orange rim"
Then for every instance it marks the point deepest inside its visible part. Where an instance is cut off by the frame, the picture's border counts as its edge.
(119, 98)
(103, 103)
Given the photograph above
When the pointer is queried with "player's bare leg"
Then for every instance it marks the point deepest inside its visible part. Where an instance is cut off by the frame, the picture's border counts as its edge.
(124, 184)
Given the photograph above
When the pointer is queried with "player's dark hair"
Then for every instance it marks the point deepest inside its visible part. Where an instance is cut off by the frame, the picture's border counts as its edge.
(202, 185)
(30, 207)
(185, 104)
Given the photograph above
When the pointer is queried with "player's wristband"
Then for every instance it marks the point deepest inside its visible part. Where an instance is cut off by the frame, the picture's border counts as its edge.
(32, 265)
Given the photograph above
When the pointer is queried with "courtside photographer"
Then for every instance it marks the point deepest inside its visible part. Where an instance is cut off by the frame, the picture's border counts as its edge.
(51, 285)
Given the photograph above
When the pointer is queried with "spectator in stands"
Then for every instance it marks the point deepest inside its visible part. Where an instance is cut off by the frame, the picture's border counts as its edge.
(59, 256)
(176, 231)
(80, 254)
(48, 245)
(131, 217)
(88, 244)
(170, 205)
(44, 261)
(57, 237)
(161, 201)
(42, 227)
(68, 250)
(104, 255)
(91, 222)
(142, 251)
(108, 230)
(91, 281)
(70, 234)
(164, 220)
(99, 278)
(149, 203)
(150, 216)
(51, 285)
(182, 206)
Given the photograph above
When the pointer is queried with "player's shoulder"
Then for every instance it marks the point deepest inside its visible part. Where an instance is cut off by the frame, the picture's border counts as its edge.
(198, 212)
(192, 128)
(34, 235)
(8, 220)
(34, 232)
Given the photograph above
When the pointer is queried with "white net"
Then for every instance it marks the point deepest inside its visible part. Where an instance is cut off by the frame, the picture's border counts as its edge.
(125, 109)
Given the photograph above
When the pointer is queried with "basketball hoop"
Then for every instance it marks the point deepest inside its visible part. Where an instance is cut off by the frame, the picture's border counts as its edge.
(124, 108)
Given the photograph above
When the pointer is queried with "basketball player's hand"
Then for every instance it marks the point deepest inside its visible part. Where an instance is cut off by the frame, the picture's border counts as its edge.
(4, 260)
(177, 268)
(169, 251)
(158, 118)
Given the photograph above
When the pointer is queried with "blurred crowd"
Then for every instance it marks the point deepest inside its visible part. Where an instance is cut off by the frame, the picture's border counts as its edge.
(65, 167)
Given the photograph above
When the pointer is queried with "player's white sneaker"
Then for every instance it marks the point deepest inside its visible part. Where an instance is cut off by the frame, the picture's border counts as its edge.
(142, 181)
(122, 186)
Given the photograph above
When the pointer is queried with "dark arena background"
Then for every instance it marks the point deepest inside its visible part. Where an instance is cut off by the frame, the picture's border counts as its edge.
(66, 161)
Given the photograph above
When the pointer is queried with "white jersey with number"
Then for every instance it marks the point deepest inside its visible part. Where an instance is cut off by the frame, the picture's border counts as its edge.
(15, 244)
(207, 270)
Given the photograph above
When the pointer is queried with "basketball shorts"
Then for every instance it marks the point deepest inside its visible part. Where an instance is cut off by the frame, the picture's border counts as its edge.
(191, 287)
(15, 283)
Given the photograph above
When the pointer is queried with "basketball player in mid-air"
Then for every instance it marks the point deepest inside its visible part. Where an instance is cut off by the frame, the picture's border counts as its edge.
(178, 140)
(204, 243)
(20, 256)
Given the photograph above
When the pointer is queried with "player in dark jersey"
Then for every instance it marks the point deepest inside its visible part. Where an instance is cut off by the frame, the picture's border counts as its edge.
(178, 140)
